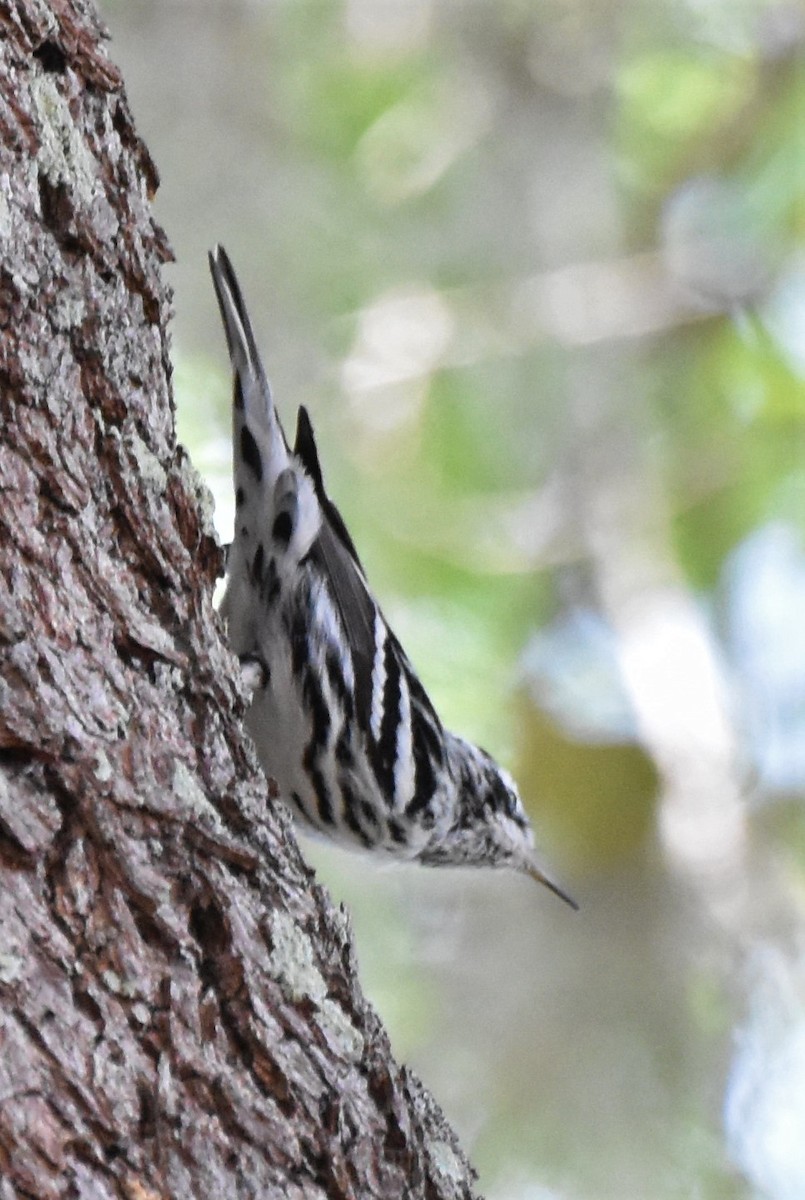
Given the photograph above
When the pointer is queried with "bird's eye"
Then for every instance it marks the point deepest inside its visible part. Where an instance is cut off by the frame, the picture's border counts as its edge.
(502, 799)
(515, 810)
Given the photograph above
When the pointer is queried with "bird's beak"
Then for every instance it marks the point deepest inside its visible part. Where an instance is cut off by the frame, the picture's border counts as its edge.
(539, 875)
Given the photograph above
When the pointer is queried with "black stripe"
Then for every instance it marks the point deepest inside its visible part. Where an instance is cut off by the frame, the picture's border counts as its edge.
(335, 674)
(398, 832)
(320, 716)
(298, 637)
(430, 725)
(369, 814)
(257, 564)
(319, 712)
(239, 498)
(271, 584)
(305, 447)
(420, 696)
(238, 393)
(383, 751)
(324, 804)
(344, 754)
(351, 809)
(250, 453)
(422, 740)
(282, 528)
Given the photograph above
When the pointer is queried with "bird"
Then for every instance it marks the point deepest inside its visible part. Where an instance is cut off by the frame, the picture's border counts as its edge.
(338, 715)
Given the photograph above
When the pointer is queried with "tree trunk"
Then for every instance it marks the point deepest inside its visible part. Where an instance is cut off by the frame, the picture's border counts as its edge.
(179, 1009)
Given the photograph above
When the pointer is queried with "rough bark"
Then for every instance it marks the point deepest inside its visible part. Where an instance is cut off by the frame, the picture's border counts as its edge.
(179, 1009)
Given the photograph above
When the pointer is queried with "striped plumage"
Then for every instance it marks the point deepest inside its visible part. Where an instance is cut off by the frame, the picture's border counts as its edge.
(339, 716)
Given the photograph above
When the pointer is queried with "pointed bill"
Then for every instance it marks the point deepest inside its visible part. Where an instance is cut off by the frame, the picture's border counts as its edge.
(535, 872)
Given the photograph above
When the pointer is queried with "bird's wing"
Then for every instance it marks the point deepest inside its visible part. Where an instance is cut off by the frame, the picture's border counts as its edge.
(334, 552)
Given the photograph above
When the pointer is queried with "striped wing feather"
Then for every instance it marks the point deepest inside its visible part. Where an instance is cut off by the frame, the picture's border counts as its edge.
(337, 558)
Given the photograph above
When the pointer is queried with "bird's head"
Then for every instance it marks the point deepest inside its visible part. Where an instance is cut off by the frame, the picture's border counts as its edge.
(490, 826)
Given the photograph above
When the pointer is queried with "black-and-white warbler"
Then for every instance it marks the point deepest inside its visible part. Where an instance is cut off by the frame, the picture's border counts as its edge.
(339, 717)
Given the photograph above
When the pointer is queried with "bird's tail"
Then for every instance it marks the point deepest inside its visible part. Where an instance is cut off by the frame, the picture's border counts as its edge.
(253, 401)
(277, 511)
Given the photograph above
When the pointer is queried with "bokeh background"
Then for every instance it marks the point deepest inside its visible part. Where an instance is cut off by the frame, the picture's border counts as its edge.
(538, 271)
